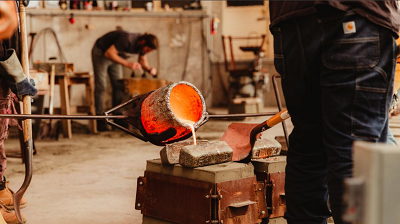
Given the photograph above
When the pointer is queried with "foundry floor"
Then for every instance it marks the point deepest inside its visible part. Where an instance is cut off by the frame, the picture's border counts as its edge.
(92, 178)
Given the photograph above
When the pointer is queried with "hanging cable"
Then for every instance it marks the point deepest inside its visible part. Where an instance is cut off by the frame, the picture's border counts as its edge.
(60, 51)
(184, 73)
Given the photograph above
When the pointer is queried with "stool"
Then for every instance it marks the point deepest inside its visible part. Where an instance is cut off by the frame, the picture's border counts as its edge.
(66, 81)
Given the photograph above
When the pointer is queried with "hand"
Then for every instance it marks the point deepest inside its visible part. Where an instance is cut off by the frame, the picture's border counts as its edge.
(133, 65)
(26, 88)
(153, 71)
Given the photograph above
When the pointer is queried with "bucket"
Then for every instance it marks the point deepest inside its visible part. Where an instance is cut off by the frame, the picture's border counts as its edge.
(170, 109)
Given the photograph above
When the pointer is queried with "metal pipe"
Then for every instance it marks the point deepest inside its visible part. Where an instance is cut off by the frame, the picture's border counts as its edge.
(102, 117)
(67, 13)
(68, 117)
(241, 115)
(280, 107)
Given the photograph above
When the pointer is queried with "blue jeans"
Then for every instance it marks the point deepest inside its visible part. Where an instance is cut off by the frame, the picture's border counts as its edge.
(102, 68)
(338, 89)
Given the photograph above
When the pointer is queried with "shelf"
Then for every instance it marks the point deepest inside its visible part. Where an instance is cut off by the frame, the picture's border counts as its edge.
(155, 14)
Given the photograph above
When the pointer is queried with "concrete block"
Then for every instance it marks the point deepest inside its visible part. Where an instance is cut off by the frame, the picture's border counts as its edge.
(202, 155)
(215, 173)
(270, 165)
(266, 147)
(170, 153)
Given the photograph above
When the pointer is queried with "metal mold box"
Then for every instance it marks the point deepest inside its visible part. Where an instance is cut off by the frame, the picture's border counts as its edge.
(224, 193)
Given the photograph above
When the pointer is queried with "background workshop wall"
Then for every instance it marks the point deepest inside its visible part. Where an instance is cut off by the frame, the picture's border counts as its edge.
(175, 29)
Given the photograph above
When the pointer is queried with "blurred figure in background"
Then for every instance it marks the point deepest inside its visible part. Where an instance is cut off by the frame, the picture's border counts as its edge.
(108, 57)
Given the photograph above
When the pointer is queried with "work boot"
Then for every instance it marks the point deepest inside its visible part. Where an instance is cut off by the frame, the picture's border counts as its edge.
(6, 196)
(9, 216)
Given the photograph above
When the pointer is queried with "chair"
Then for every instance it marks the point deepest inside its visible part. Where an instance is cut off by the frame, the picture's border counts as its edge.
(240, 77)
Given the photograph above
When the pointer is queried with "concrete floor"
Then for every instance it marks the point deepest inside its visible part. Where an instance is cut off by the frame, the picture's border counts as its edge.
(92, 178)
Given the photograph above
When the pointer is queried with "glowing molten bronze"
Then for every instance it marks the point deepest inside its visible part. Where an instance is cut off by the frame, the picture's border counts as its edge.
(176, 106)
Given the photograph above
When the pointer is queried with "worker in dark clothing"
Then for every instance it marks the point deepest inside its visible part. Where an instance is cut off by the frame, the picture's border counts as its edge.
(108, 57)
(13, 82)
(337, 61)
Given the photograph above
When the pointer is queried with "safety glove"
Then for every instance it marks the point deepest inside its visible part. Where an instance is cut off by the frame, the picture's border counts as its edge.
(16, 78)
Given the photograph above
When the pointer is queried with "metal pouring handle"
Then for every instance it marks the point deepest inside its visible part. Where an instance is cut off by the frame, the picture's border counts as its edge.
(276, 119)
(67, 117)
(226, 116)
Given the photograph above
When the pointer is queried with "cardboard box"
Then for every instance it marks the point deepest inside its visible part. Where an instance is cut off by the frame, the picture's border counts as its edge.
(41, 79)
(137, 86)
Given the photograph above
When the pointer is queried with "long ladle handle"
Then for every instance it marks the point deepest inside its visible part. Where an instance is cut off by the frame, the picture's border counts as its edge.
(27, 124)
(274, 120)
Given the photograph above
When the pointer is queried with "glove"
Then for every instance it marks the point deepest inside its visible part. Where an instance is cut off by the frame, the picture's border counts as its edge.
(16, 78)
(26, 88)
(160, 138)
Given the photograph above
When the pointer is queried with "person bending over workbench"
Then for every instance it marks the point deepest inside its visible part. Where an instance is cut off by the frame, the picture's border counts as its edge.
(12, 82)
(337, 61)
(108, 55)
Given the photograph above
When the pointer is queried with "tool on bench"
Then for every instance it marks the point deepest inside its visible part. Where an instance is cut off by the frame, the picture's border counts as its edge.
(241, 137)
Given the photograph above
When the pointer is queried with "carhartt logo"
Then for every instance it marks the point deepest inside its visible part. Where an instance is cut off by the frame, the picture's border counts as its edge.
(349, 27)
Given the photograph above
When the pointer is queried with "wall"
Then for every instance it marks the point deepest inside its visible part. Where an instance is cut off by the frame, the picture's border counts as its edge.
(244, 21)
(174, 29)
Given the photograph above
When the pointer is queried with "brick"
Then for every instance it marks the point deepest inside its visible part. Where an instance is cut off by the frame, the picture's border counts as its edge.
(214, 152)
(264, 148)
(170, 153)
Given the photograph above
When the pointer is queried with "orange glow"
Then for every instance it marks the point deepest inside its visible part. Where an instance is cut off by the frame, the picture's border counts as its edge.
(185, 103)
(185, 109)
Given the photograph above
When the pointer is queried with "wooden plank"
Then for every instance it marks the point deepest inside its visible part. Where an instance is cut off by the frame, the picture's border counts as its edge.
(395, 125)
(67, 68)
(65, 109)
(90, 103)
(395, 132)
